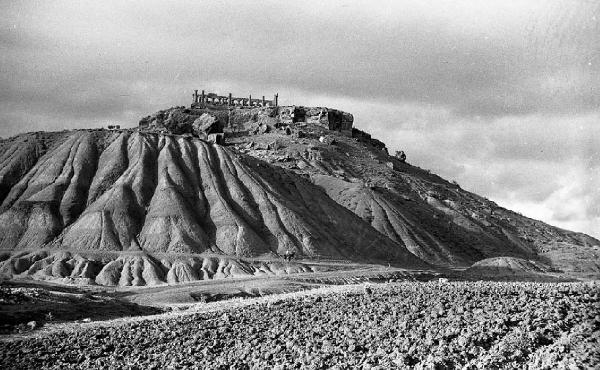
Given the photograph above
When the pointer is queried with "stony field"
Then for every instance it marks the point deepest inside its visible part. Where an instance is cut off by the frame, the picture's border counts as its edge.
(397, 325)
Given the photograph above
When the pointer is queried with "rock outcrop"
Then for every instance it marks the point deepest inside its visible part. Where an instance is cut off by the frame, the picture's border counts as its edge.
(215, 119)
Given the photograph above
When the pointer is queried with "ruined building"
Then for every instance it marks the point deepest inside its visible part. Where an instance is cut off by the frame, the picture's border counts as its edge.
(203, 99)
(215, 117)
(241, 110)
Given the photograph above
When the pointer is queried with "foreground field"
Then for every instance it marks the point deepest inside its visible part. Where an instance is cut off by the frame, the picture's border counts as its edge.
(409, 324)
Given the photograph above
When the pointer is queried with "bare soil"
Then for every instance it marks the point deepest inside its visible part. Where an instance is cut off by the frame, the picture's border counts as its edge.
(392, 325)
(43, 304)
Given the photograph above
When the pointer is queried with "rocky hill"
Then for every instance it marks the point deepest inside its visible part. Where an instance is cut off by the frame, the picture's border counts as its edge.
(208, 193)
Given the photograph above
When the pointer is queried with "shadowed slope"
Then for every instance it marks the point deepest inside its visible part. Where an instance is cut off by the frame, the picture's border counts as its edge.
(428, 228)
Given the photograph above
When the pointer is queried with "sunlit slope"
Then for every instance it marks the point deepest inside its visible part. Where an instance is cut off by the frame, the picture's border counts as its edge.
(128, 191)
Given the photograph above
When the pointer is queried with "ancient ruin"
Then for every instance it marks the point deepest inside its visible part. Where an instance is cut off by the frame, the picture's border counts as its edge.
(211, 114)
(203, 99)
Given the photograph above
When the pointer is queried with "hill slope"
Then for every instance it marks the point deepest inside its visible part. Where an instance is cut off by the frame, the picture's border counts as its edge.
(156, 204)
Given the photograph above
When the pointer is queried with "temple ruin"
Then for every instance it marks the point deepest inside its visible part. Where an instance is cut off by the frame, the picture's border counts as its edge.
(213, 117)
(203, 99)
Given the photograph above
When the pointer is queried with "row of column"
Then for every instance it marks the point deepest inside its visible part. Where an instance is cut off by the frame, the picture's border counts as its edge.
(202, 98)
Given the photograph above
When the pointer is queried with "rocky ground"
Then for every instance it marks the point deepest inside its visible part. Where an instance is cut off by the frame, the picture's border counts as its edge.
(396, 325)
(25, 307)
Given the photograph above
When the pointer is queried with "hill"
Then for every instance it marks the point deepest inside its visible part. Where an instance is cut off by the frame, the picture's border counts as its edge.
(212, 192)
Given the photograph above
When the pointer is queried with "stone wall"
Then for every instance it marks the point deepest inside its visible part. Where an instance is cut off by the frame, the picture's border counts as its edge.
(331, 119)
(247, 119)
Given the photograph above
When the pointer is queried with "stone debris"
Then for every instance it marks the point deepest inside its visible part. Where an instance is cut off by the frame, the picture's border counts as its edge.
(217, 138)
(299, 134)
(401, 156)
(263, 129)
(206, 124)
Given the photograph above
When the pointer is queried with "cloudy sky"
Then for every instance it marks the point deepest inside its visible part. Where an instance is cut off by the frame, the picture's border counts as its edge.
(501, 96)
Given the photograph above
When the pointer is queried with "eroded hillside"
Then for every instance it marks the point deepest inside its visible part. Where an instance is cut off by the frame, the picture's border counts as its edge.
(164, 204)
(106, 191)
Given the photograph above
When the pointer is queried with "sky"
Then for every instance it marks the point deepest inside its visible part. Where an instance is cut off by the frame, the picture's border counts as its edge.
(501, 96)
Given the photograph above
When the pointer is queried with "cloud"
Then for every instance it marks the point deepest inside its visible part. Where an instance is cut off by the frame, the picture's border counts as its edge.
(491, 59)
(545, 166)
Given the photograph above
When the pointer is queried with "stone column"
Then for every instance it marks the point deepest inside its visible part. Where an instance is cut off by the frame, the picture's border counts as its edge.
(195, 96)
(202, 101)
(276, 96)
(263, 101)
(229, 100)
(250, 100)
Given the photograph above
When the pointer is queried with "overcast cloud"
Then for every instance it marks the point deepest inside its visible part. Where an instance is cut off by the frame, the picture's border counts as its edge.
(501, 96)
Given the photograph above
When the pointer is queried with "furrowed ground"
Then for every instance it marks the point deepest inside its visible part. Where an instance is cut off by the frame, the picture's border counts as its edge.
(396, 325)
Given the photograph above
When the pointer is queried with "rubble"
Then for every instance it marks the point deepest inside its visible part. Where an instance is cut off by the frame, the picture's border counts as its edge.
(401, 155)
